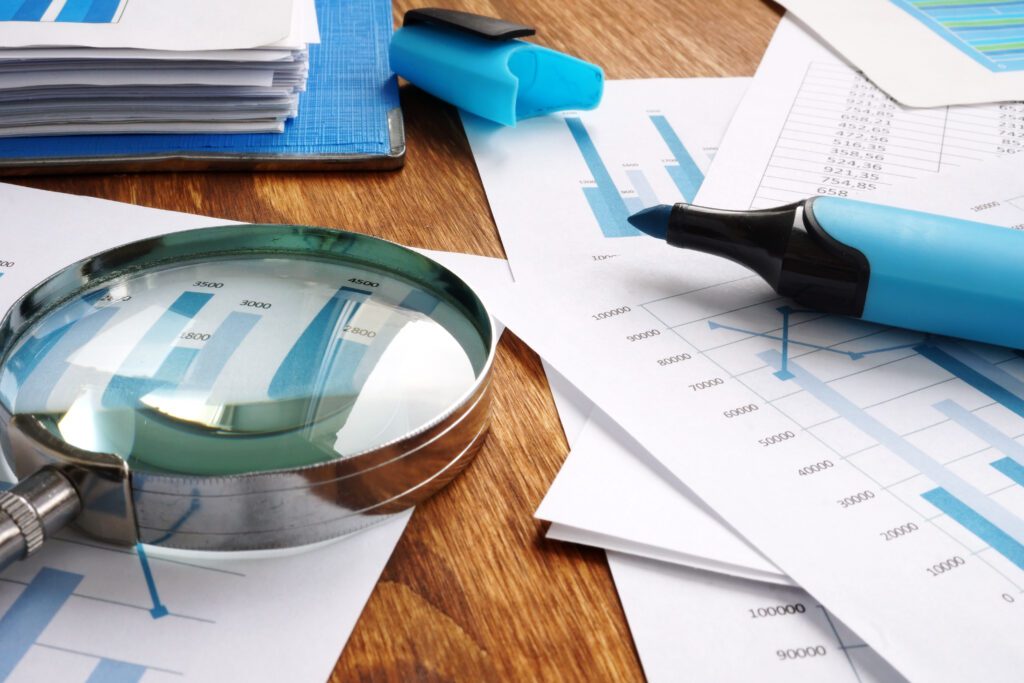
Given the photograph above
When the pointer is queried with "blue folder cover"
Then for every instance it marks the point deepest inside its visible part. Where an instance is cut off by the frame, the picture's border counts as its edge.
(349, 114)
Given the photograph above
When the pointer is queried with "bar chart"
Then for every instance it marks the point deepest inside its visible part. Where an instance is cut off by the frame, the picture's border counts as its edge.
(73, 11)
(610, 205)
(990, 32)
(932, 421)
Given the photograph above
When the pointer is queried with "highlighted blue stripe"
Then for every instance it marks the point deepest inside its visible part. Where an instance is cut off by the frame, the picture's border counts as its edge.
(133, 379)
(25, 620)
(643, 188)
(74, 10)
(919, 460)
(611, 217)
(113, 671)
(302, 369)
(1004, 443)
(686, 175)
(31, 10)
(1011, 468)
(217, 351)
(990, 380)
(40, 362)
(101, 11)
(966, 517)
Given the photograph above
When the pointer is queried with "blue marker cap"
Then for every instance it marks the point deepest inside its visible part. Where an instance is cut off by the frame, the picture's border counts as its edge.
(476, 64)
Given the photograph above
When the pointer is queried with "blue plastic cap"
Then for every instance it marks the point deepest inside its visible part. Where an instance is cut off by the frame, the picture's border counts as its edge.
(503, 81)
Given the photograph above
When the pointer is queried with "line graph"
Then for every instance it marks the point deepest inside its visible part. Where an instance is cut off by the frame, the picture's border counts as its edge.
(967, 403)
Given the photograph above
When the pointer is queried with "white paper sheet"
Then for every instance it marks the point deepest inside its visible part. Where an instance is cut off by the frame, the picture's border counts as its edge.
(80, 610)
(811, 125)
(695, 626)
(612, 494)
(925, 53)
(156, 25)
(813, 457)
(587, 164)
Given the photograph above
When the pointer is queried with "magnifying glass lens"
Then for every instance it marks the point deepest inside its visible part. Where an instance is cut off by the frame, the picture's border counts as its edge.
(244, 364)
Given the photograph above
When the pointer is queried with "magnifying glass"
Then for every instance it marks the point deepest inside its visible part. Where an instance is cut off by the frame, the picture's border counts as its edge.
(238, 388)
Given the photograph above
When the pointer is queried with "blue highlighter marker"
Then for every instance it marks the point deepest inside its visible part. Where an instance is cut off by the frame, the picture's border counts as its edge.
(890, 266)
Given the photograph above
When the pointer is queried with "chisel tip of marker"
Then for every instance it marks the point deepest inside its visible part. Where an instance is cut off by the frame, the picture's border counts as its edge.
(652, 221)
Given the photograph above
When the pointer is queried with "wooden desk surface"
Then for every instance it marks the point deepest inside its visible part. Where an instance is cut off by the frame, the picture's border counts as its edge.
(473, 591)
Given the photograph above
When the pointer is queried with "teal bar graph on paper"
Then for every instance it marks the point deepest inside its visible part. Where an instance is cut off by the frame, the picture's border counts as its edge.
(606, 202)
(1011, 468)
(33, 610)
(991, 33)
(977, 524)
(684, 173)
(215, 353)
(303, 368)
(134, 379)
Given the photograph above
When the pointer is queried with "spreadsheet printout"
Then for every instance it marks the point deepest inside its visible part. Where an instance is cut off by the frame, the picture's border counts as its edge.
(810, 125)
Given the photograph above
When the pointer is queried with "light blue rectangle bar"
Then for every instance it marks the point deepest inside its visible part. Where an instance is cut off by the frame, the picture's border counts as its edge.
(969, 519)
(989, 379)
(900, 447)
(643, 187)
(113, 671)
(133, 380)
(686, 175)
(1011, 468)
(1004, 443)
(216, 352)
(25, 620)
(615, 211)
(610, 227)
(302, 369)
(74, 10)
(42, 361)
(4, 485)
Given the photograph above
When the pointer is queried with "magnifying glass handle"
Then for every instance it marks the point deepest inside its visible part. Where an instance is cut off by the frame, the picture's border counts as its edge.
(34, 510)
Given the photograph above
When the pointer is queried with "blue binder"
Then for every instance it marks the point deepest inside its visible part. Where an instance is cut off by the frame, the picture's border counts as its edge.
(349, 117)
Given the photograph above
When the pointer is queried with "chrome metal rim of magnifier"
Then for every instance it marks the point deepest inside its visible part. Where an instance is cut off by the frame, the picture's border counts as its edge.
(61, 484)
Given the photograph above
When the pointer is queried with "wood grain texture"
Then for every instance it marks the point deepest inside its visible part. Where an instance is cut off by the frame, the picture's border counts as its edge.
(473, 591)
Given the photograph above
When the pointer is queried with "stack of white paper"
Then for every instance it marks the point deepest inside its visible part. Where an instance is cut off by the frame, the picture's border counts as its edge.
(143, 66)
(678, 368)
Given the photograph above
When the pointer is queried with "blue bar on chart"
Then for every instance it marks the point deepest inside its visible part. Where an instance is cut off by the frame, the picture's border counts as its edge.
(41, 362)
(216, 352)
(978, 525)
(30, 10)
(684, 173)
(643, 188)
(113, 671)
(989, 379)
(990, 33)
(977, 501)
(983, 430)
(133, 379)
(25, 620)
(1011, 468)
(302, 369)
(606, 203)
(74, 11)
